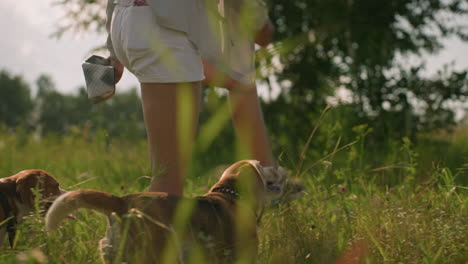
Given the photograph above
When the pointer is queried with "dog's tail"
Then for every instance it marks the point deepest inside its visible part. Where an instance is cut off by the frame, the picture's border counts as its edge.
(90, 199)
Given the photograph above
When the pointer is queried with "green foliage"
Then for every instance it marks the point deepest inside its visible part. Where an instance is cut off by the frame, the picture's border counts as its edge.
(15, 100)
(363, 46)
(349, 206)
(445, 150)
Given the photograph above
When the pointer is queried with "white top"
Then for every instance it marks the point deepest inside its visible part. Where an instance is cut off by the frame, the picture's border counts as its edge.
(222, 30)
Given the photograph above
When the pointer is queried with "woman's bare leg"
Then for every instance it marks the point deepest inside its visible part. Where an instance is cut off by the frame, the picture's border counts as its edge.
(250, 127)
(171, 112)
(247, 115)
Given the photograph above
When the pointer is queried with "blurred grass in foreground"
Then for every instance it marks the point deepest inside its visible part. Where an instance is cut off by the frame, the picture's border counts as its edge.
(411, 209)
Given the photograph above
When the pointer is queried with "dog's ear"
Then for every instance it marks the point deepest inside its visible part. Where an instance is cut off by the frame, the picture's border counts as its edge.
(24, 184)
(7, 186)
(49, 185)
(254, 168)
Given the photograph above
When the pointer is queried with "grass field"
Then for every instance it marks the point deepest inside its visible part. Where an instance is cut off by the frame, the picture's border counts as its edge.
(410, 209)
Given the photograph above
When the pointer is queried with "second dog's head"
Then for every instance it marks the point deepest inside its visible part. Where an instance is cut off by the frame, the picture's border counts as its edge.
(20, 186)
(247, 177)
(17, 197)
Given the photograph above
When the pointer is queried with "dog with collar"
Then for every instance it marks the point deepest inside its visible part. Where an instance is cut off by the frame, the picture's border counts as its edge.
(17, 198)
(156, 227)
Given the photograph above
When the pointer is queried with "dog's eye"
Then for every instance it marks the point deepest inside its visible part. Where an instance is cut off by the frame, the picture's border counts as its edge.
(272, 187)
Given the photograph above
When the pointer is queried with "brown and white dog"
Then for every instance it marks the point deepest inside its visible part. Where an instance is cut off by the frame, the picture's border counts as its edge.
(17, 198)
(157, 227)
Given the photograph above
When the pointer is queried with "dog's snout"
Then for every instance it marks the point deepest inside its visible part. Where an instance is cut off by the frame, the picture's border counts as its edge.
(275, 189)
(272, 187)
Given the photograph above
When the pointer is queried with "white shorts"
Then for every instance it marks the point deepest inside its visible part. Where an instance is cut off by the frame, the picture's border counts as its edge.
(154, 54)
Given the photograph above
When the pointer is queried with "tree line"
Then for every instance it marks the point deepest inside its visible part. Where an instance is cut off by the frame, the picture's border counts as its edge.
(52, 112)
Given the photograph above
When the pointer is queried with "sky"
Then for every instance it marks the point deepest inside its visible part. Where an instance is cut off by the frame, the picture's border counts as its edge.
(28, 49)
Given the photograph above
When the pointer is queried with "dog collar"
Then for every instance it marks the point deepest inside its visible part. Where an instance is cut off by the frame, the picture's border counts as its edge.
(227, 190)
(11, 223)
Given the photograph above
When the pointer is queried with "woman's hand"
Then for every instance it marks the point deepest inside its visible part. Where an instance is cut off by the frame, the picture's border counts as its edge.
(215, 77)
(118, 69)
(264, 36)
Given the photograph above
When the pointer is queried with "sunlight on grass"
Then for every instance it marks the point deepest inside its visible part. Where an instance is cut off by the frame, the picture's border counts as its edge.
(406, 222)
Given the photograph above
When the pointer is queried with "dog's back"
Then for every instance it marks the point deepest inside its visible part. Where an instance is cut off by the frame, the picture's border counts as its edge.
(172, 227)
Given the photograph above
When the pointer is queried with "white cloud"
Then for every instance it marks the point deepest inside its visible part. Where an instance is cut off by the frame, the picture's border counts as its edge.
(26, 49)
(39, 14)
(29, 51)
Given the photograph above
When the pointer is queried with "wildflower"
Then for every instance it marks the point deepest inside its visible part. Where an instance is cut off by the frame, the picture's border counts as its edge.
(342, 188)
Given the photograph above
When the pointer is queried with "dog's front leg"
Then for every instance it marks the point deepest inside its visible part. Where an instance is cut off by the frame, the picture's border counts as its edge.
(110, 244)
